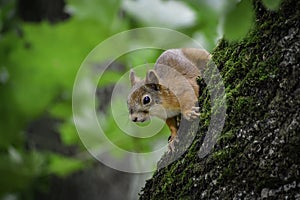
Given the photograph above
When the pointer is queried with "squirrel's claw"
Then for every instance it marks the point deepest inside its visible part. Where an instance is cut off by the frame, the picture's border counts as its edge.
(171, 147)
(192, 114)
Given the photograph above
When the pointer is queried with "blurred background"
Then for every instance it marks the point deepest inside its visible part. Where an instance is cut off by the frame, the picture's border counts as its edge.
(42, 45)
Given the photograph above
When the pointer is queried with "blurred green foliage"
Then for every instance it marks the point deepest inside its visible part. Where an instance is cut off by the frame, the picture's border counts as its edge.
(37, 72)
(238, 20)
(38, 65)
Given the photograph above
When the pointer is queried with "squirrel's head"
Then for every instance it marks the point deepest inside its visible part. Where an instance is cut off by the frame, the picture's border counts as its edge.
(144, 97)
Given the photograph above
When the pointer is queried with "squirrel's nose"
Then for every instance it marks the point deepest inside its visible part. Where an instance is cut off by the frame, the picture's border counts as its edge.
(134, 119)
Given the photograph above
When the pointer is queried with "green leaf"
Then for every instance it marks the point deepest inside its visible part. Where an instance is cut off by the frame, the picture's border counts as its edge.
(109, 77)
(238, 20)
(19, 169)
(61, 110)
(272, 4)
(106, 12)
(68, 133)
(64, 166)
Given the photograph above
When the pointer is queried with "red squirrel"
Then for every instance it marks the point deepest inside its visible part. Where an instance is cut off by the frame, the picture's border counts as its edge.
(169, 89)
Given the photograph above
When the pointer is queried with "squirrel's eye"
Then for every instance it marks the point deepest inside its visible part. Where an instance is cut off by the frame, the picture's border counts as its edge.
(146, 99)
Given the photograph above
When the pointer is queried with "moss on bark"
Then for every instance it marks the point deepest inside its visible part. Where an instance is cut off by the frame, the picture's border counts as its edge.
(258, 152)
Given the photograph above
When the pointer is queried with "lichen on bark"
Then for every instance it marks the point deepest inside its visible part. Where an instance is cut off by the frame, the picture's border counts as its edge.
(257, 154)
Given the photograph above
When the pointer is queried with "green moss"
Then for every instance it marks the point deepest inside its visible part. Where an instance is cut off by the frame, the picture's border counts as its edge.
(227, 173)
(225, 137)
(226, 153)
(243, 102)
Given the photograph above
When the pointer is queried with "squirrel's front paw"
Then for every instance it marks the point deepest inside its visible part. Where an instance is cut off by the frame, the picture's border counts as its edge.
(192, 114)
(171, 144)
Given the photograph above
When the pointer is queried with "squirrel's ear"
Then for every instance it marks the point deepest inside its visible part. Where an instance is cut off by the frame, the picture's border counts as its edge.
(152, 77)
(133, 79)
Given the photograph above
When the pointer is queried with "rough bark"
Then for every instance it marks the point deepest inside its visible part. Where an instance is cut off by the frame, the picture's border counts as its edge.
(257, 155)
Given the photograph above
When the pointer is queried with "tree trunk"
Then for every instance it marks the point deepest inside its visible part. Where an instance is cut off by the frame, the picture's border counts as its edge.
(257, 154)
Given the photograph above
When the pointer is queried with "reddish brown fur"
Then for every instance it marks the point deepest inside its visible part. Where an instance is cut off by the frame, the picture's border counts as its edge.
(175, 72)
